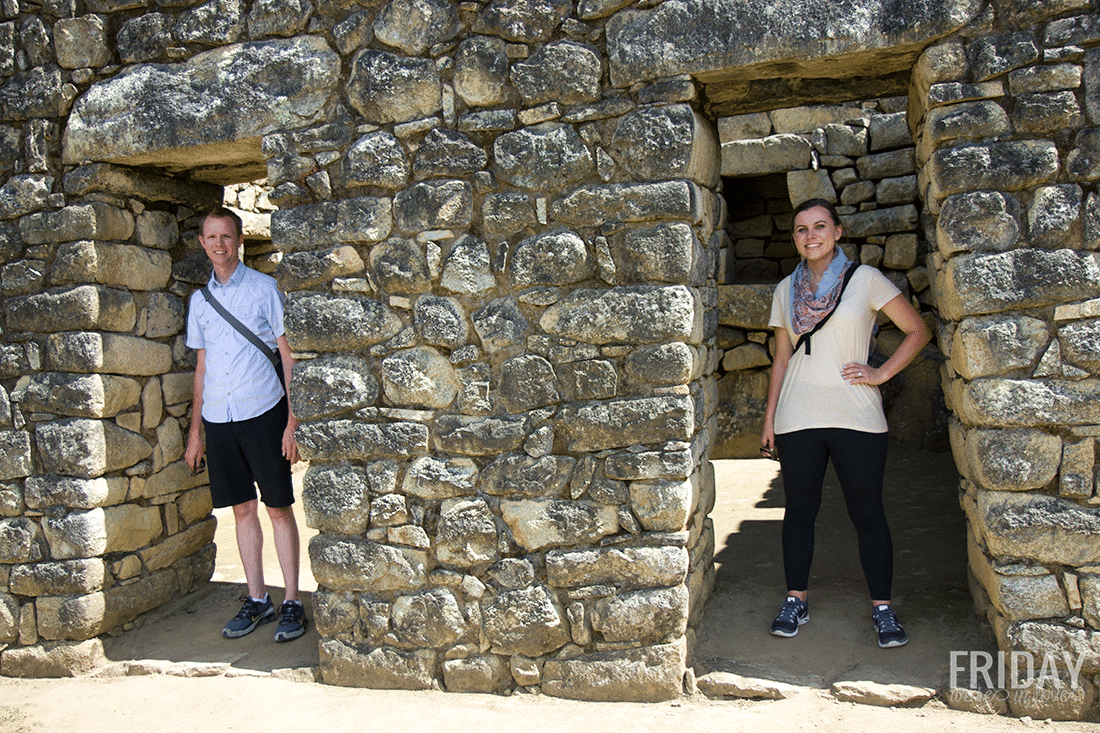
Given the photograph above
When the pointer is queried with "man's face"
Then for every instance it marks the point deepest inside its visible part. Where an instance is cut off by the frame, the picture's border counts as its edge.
(219, 239)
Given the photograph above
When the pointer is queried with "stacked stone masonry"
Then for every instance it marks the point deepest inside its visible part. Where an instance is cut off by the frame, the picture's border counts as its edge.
(502, 232)
(1004, 151)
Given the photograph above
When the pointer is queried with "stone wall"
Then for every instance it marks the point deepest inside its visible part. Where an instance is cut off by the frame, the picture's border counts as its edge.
(501, 229)
(501, 278)
(1008, 169)
(100, 519)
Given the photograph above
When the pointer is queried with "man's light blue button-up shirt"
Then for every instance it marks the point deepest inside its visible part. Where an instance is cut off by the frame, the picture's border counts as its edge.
(240, 382)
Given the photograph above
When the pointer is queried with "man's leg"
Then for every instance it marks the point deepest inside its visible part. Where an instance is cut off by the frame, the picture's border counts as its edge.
(250, 544)
(285, 529)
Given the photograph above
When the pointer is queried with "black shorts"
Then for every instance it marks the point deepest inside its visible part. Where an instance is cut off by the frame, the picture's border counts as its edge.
(246, 454)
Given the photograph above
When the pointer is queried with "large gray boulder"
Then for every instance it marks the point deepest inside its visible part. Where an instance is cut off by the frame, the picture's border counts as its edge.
(202, 113)
(682, 36)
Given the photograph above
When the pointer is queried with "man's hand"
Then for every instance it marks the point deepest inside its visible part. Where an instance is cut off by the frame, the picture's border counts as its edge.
(290, 445)
(194, 452)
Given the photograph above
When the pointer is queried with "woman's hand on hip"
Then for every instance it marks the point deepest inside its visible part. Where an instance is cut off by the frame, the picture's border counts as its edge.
(855, 373)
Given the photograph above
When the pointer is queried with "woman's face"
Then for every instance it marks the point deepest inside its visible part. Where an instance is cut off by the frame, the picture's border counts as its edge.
(815, 234)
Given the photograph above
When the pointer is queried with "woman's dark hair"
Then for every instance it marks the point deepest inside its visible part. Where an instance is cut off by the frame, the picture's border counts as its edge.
(812, 203)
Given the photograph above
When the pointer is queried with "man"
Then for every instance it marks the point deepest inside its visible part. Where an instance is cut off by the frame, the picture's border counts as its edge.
(249, 426)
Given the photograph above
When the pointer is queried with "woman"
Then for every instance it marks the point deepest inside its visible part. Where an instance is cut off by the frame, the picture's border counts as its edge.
(823, 402)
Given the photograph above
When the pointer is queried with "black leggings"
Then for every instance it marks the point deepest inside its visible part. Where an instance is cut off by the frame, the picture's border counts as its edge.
(860, 461)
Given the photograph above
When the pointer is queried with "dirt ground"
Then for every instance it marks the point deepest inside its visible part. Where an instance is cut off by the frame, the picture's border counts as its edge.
(930, 595)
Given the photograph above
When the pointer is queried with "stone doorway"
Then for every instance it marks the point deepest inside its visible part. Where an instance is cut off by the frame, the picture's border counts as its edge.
(861, 156)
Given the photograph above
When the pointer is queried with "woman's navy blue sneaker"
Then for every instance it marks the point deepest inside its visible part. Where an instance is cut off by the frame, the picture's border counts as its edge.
(794, 613)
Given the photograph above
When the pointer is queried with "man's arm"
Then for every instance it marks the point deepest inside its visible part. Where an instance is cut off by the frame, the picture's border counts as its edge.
(290, 445)
(195, 447)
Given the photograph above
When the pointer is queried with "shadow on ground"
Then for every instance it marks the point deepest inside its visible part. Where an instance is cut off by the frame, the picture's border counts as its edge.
(930, 580)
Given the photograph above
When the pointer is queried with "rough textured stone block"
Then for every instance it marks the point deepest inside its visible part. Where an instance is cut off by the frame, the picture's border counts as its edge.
(174, 477)
(344, 439)
(482, 673)
(84, 351)
(344, 563)
(978, 283)
(331, 386)
(56, 659)
(593, 426)
(446, 154)
(549, 157)
(41, 492)
(16, 458)
(1054, 217)
(546, 523)
(646, 674)
(979, 220)
(1046, 529)
(179, 546)
(986, 346)
(88, 448)
(1013, 459)
(419, 377)
(382, 668)
(434, 205)
(528, 621)
(24, 194)
(130, 527)
(663, 506)
(82, 221)
(21, 541)
(674, 141)
(693, 36)
(558, 257)
(416, 25)
(70, 617)
(1079, 343)
(431, 477)
(73, 309)
(880, 221)
(478, 436)
(525, 476)
(481, 71)
(150, 115)
(327, 323)
(79, 395)
(1038, 637)
(528, 22)
(500, 324)
(645, 616)
(565, 72)
(299, 270)
(336, 499)
(400, 266)
(466, 535)
(772, 154)
(348, 221)
(629, 202)
(1013, 402)
(632, 314)
(1006, 166)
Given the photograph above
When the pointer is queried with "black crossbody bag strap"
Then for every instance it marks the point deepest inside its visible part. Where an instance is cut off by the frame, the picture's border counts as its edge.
(273, 356)
(805, 338)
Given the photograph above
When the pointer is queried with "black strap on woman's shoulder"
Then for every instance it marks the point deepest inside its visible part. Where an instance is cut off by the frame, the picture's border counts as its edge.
(805, 338)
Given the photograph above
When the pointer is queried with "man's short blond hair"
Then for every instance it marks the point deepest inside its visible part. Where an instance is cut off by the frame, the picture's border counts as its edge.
(223, 213)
